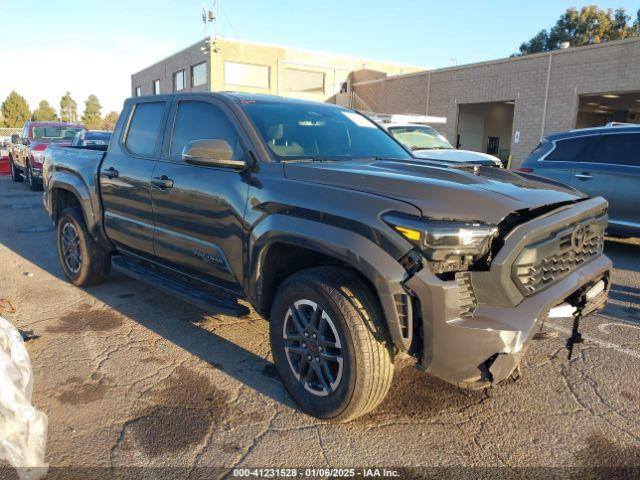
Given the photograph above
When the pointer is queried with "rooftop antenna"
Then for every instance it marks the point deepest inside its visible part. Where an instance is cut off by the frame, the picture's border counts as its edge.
(209, 17)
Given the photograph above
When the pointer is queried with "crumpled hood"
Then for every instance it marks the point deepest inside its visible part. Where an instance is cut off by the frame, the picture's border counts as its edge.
(457, 156)
(440, 193)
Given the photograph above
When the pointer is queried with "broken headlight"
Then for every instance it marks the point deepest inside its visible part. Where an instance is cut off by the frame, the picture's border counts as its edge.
(452, 246)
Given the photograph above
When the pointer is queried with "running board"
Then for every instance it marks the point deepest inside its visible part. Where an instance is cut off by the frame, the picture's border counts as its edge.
(207, 299)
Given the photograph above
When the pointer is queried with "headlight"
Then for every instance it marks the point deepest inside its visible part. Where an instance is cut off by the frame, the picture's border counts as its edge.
(38, 157)
(458, 243)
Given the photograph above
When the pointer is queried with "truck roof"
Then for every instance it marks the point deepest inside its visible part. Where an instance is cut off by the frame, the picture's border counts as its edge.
(240, 97)
(52, 124)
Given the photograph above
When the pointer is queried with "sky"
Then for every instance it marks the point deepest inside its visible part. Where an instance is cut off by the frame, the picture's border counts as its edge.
(48, 47)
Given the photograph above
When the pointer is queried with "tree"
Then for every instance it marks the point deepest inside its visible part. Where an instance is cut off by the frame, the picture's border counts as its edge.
(68, 108)
(589, 25)
(44, 112)
(109, 121)
(15, 110)
(92, 118)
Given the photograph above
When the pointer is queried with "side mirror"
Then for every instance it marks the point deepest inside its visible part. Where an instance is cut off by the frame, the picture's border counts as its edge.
(15, 138)
(213, 152)
(25, 141)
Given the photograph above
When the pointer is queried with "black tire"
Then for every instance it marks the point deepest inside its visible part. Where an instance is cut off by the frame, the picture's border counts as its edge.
(94, 261)
(367, 360)
(15, 173)
(34, 184)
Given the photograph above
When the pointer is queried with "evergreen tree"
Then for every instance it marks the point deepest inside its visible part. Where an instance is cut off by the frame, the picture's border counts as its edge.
(44, 112)
(92, 118)
(15, 110)
(68, 108)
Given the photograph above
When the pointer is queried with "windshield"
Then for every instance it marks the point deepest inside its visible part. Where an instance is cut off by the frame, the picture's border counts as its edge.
(321, 132)
(61, 132)
(420, 138)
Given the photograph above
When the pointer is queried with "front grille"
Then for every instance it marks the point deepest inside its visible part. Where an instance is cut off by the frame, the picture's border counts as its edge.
(555, 257)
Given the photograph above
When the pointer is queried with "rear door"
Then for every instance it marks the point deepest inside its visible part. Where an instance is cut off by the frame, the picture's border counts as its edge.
(125, 177)
(614, 173)
(199, 210)
(567, 155)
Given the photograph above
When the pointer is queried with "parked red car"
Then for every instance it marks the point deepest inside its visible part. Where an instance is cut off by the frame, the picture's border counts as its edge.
(26, 152)
(4, 156)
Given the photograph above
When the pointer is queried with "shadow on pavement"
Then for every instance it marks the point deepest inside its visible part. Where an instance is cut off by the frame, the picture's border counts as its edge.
(29, 233)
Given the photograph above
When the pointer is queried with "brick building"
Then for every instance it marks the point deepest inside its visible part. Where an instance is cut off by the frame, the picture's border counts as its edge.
(505, 106)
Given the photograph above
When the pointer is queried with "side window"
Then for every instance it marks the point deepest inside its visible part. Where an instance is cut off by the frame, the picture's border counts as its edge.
(571, 150)
(200, 120)
(618, 149)
(144, 129)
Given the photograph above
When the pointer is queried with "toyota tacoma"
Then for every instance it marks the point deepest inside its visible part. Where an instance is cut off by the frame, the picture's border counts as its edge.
(353, 250)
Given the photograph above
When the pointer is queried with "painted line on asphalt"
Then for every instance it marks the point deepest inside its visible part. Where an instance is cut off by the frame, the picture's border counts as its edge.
(596, 341)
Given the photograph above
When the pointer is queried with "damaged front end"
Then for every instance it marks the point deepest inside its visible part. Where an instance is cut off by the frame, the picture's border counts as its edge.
(475, 315)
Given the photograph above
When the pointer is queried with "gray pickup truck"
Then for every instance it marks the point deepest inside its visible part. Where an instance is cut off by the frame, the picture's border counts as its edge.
(353, 250)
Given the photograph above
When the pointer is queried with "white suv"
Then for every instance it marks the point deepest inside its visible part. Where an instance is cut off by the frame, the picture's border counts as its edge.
(427, 143)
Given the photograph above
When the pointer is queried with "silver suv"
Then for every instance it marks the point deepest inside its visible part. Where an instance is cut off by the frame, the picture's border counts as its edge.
(601, 161)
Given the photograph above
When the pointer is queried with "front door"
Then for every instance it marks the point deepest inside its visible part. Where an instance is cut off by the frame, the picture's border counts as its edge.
(198, 210)
(125, 178)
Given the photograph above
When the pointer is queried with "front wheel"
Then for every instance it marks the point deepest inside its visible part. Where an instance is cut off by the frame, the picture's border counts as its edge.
(329, 344)
(15, 173)
(84, 261)
(34, 184)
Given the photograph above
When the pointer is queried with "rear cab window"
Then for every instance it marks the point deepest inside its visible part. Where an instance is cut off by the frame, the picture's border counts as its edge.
(145, 129)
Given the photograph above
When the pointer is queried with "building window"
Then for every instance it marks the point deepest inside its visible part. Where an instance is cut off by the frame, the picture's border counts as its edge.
(178, 81)
(199, 74)
(246, 75)
(136, 92)
(304, 81)
(156, 87)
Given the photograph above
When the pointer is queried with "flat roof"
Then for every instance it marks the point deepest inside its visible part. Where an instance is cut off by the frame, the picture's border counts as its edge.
(286, 47)
(521, 58)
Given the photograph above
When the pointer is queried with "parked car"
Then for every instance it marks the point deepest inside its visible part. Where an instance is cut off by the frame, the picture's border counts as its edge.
(426, 142)
(91, 137)
(598, 161)
(329, 228)
(4, 155)
(26, 153)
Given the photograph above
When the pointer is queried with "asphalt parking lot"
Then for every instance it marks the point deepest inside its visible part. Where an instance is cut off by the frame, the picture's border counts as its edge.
(132, 378)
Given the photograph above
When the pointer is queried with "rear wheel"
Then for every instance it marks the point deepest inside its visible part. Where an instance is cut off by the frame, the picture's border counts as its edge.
(329, 344)
(15, 173)
(84, 261)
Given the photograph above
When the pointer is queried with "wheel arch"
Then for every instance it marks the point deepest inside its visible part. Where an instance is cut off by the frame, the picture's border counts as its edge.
(282, 245)
(65, 190)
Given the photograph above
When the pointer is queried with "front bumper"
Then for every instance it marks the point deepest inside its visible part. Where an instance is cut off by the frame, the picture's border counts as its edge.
(485, 347)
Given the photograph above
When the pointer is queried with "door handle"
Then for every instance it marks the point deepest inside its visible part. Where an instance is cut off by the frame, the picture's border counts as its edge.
(583, 176)
(162, 182)
(110, 172)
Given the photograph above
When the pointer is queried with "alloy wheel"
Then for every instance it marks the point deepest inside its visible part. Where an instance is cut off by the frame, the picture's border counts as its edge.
(312, 347)
(70, 242)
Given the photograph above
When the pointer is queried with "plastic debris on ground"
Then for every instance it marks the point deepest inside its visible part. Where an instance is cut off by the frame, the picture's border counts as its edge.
(23, 429)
